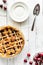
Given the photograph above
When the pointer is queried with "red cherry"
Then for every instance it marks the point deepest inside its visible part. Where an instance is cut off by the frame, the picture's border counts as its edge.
(41, 54)
(28, 55)
(30, 62)
(5, 8)
(37, 56)
(4, 1)
(25, 60)
(42, 61)
(36, 63)
(35, 59)
(1, 6)
(39, 59)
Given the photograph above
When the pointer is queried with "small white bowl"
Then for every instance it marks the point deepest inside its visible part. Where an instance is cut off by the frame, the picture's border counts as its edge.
(19, 11)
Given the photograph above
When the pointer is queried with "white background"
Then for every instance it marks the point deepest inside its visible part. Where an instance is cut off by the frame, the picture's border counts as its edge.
(33, 39)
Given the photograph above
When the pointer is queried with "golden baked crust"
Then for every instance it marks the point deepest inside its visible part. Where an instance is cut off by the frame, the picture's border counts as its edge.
(11, 41)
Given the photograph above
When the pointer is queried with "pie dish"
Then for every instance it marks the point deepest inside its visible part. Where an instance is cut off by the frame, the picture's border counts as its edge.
(11, 41)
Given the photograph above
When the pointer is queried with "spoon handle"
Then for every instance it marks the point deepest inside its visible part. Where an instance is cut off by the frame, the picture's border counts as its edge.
(33, 24)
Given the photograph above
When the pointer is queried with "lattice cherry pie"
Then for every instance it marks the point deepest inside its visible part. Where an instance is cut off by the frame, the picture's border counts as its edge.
(11, 41)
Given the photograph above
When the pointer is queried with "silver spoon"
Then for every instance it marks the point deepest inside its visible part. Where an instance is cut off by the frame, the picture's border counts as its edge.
(36, 12)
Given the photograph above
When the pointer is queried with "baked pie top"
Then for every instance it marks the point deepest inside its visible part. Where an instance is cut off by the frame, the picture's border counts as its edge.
(11, 41)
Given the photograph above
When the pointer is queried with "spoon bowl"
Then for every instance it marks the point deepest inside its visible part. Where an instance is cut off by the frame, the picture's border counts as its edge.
(36, 10)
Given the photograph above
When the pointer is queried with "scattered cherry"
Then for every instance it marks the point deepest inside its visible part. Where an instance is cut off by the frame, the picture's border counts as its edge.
(42, 61)
(35, 59)
(1, 6)
(25, 60)
(39, 59)
(37, 56)
(28, 55)
(4, 1)
(36, 63)
(5, 8)
(41, 54)
(31, 62)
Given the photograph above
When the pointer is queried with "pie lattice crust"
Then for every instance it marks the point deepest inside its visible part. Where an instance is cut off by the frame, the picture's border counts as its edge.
(11, 41)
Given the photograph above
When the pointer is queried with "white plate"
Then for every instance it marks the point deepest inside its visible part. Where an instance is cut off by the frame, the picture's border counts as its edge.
(19, 11)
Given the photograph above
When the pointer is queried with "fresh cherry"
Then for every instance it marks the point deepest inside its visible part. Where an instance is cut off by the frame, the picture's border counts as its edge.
(35, 59)
(42, 61)
(30, 62)
(25, 60)
(4, 1)
(39, 59)
(41, 54)
(36, 63)
(5, 8)
(28, 55)
(1, 6)
(37, 56)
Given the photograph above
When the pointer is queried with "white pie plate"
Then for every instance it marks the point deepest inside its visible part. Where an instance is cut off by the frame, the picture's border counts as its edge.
(19, 11)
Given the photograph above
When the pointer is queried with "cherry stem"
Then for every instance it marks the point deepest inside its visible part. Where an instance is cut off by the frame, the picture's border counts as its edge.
(40, 63)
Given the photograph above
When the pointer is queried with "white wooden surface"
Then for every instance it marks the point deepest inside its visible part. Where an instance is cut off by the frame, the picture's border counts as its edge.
(33, 39)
